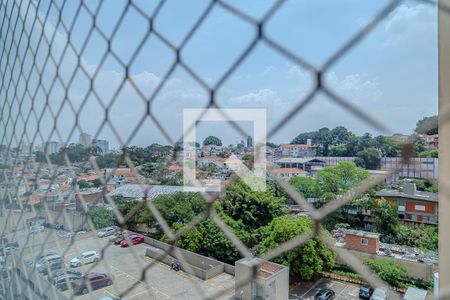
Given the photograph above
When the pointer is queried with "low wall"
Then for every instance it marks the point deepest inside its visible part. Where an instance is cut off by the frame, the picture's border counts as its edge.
(229, 269)
(413, 268)
(198, 265)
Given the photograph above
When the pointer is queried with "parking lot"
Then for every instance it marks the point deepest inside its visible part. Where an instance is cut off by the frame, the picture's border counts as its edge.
(126, 265)
(343, 290)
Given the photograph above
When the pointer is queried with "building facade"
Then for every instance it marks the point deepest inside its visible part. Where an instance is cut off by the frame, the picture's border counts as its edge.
(413, 206)
(363, 241)
(296, 150)
(103, 145)
(85, 139)
(50, 148)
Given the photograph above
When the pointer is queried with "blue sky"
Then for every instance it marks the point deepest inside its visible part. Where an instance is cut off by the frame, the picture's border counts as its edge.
(391, 74)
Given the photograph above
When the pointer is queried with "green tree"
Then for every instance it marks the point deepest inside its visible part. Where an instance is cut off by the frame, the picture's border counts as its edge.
(149, 169)
(102, 217)
(307, 186)
(325, 140)
(180, 207)
(96, 182)
(420, 236)
(338, 150)
(387, 146)
(386, 218)
(340, 178)
(340, 135)
(209, 240)
(428, 125)
(119, 199)
(83, 184)
(175, 180)
(248, 160)
(254, 209)
(434, 153)
(370, 158)
(108, 160)
(212, 140)
(305, 261)
(390, 270)
(302, 138)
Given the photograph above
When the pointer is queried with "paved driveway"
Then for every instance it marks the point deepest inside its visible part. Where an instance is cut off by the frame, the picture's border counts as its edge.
(344, 291)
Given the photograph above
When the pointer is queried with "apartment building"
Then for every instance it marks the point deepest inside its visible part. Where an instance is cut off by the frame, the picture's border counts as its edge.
(413, 206)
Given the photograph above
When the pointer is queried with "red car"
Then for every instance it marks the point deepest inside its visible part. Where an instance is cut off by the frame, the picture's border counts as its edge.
(132, 240)
(92, 281)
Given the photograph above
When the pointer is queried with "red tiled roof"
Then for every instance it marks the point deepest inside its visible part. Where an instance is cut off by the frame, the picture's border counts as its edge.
(175, 168)
(288, 170)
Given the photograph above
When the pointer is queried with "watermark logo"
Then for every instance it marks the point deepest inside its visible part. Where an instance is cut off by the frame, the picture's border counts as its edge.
(256, 178)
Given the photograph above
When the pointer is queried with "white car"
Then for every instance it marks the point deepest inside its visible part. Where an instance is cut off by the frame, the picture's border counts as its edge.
(36, 228)
(379, 293)
(106, 232)
(84, 259)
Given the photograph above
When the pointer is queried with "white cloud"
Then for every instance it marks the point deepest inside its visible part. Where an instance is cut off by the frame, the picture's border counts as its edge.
(295, 72)
(355, 87)
(411, 24)
(261, 97)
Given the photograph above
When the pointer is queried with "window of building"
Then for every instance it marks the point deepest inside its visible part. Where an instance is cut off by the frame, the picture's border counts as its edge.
(365, 241)
(419, 207)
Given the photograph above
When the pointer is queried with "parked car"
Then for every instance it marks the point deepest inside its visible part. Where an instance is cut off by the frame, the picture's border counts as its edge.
(5, 272)
(58, 226)
(4, 239)
(117, 237)
(49, 253)
(85, 258)
(91, 281)
(61, 272)
(107, 231)
(325, 294)
(365, 292)
(63, 282)
(380, 293)
(81, 231)
(49, 263)
(132, 240)
(36, 228)
(8, 248)
(64, 234)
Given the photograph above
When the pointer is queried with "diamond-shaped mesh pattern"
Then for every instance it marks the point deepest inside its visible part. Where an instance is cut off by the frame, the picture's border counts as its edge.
(44, 74)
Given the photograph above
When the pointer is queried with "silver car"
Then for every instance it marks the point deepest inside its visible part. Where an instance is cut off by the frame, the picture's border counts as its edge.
(106, 232)
(379, 293)
(85, 258)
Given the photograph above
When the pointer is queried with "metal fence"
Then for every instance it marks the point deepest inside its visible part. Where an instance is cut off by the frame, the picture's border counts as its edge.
(37, 38)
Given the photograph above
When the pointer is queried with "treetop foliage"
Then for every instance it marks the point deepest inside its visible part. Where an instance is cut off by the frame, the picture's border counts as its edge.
(428, 125)
(342, 142)
(212, 140)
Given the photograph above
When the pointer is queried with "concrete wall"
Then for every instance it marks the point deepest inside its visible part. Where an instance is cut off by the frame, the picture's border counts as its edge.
(198, 265)
(70, 219)
(248, 287)
(414, 269)
(229, 269)
(12, 220)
